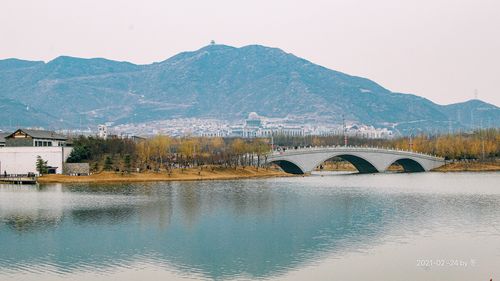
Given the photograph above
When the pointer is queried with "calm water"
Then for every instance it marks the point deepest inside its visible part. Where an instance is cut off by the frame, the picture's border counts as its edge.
(429, 226)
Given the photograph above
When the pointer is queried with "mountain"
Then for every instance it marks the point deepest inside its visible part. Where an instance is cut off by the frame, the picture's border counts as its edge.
(216, 81)
(16, 114)
(474, 113)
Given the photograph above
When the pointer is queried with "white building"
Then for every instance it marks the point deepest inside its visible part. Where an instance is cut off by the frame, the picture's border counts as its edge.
(369, 132)
(20, 150)
(22, 159)
(255, 127)
(102, 131)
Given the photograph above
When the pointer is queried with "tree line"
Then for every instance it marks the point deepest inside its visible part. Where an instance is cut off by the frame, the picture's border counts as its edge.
(479, 144)
(166, 153)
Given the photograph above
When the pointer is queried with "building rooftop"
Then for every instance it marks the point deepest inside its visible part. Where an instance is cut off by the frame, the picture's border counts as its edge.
(39, 134)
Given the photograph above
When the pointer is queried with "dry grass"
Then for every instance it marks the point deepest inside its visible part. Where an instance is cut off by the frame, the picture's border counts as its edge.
(470, 167)
(337, 166)
(191, 174)
(348, 167)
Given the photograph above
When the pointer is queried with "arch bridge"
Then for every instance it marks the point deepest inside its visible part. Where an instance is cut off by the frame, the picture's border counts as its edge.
(365, 159)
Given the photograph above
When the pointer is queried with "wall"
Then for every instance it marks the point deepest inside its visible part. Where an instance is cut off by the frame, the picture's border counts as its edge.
(77, 169)
(22, 160)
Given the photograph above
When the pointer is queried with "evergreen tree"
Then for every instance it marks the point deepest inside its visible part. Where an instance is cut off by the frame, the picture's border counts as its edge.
(78, 154)
(41, 165)
(127, 162)
(108, 164)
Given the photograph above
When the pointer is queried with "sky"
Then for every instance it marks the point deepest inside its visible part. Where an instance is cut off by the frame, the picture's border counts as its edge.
(445, 50)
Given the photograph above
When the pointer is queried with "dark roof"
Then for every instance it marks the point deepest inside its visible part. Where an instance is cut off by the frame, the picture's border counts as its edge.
(40, 134)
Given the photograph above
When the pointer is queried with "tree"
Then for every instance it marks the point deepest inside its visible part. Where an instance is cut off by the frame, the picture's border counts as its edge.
(216, 143)
(78, 154)
(108, 164)
(95, 167)
(238, 148)
(261, 148)
(143, 152)
(41, 165)
(189, 148)
(127, 162)
(160, 146)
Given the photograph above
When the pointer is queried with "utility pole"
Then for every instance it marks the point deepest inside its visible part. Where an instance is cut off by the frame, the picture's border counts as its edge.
(272, 141)
(482, 143)
(411, 144)
(411, 141)
(472, 119)
(482, 140)
(472, 111)
(344, 129)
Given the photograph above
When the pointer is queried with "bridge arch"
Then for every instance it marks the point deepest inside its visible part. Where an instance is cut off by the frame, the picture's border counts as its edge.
(366, 160)
(409, 165)
(289, 167)
(361, 164)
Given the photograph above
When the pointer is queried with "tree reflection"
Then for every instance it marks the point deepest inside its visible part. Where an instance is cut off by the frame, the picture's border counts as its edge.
(221, 229)
(26, 224)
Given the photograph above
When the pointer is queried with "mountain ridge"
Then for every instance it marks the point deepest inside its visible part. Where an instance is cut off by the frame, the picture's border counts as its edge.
(222, 82)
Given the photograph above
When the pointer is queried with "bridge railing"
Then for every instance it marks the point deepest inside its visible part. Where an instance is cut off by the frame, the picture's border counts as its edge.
(283, 150)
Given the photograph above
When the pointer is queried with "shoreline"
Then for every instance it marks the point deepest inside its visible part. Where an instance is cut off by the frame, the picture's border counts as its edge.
(207, 174)
(190, 174)
(469, 167)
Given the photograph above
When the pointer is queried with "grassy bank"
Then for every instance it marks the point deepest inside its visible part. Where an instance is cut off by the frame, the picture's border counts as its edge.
(190, 174)
(470, 167)
(193, 174)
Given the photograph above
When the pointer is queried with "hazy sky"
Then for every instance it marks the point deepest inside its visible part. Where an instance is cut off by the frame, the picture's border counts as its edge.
(440, 49)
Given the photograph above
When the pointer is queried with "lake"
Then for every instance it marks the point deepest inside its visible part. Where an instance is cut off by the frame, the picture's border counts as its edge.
(328, 226)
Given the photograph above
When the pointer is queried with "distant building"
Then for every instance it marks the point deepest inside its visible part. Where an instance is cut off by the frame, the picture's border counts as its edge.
(102, 131)
(253, 121)
(255, 128)
(136, 138)
(294, 131)
(215, 133)
(368, 132)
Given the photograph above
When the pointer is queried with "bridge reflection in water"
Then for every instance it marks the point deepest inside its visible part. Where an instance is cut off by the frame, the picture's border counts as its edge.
(365, 159)
(249, 229)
